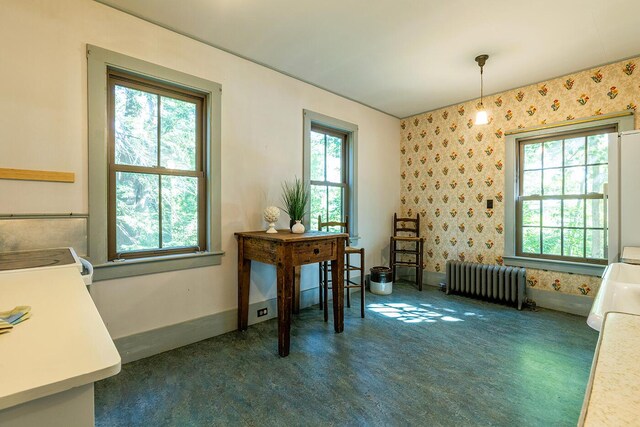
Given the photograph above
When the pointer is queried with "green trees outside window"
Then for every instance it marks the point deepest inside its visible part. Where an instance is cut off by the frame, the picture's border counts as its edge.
(561, 209)
(328, 175)
(156, 173)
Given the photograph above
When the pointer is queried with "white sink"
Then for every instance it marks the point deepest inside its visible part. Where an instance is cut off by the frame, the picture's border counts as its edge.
(619, 291)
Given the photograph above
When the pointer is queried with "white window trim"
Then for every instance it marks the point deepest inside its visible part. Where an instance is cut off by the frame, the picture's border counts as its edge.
(98, 59)
(351, 130)
(624, 122)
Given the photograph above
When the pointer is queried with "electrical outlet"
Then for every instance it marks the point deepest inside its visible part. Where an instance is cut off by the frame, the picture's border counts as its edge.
(262, 312)
(490, 204)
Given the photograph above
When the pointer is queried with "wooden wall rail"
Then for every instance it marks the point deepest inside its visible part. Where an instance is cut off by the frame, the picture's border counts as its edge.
(36, 175)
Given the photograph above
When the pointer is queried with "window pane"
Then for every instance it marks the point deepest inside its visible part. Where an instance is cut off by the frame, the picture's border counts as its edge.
(596, 176)
(136, 127)
(597, 149)
(532, 156)
(177, 134)
(137, 220)
(573, 215)
(595, 213)
(317, 157)
(532, 184)
(573, 244)
(553, 154)
(335, 204)
(318, 204)
(531, 212)
(574, 151)
(574, 180)
(531, 240)
(334, 159)
(179, 211)
(551, 213)
(595, 244)
(552, 181)
(551, 241)
(559, 226)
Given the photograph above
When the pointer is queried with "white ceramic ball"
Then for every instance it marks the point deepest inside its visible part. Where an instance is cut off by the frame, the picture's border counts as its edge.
(271, 214)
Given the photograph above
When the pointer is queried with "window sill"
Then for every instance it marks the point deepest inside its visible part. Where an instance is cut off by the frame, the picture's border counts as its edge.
(140, 266)
(554, 265)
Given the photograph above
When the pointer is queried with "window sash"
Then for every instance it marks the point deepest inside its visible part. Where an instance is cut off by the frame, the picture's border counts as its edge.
(159, 89)
(520, 227)
(560, 197)
(344, 172)
(568, 135)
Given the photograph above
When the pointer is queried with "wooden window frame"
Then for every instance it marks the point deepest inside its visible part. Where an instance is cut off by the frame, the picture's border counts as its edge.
(160, 89)
(562, 197)
(344, 172)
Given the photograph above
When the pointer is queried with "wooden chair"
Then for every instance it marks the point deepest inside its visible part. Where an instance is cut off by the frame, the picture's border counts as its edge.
(406, 232)
(325, 269)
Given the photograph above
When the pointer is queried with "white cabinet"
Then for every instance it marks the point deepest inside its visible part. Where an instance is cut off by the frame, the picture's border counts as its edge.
(623, 193)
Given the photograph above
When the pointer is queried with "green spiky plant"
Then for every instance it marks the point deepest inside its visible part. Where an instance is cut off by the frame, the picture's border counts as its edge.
(295, 197)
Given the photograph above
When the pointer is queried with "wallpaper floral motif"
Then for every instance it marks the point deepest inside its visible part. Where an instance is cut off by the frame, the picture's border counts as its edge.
(450, 167)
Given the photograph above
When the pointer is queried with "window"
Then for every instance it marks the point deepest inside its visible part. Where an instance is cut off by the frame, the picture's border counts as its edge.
(156, 175)
(330, 170)
(328, 184)
(560, 207)
(556, 202)
(154, 167)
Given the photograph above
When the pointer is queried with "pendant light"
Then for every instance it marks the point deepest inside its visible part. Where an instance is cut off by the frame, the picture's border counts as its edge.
(481, 115)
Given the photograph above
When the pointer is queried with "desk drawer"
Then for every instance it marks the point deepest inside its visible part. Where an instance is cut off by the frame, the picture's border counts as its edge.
(261, 250)
(312, 252)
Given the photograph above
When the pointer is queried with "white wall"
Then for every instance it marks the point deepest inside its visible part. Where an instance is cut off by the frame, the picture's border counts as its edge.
(43, 125)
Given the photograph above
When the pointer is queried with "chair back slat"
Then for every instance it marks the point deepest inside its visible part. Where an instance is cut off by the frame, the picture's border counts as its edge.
(409, 230)
(407, 219)
(406, 225)
(324, 226)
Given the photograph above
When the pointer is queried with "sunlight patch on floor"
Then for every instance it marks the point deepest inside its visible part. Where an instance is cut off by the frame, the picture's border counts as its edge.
(423, 313)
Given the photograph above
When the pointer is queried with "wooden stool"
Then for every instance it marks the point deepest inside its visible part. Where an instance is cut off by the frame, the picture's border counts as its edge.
(324, 269)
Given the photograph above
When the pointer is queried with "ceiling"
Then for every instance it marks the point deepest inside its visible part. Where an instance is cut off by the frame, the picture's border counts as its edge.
(405, 57)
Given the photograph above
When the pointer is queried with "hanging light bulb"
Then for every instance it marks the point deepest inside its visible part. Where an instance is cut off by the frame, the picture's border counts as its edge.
(481, 116)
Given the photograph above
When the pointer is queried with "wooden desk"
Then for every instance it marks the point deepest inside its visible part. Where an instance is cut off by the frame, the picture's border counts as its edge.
(286, 250)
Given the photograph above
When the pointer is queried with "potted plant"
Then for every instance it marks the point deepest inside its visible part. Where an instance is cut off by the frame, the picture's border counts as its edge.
(295, 197)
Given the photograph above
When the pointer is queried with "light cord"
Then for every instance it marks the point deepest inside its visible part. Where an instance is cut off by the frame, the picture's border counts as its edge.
(481, 87)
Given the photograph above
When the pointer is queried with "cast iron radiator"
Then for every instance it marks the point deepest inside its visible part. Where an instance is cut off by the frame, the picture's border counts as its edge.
(492, 282)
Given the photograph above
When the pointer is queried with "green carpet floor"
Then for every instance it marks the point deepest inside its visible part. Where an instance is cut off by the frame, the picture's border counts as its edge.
(418, 358)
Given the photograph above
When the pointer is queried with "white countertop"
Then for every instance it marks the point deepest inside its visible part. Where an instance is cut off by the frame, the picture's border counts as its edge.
(63, 345)
(613, 392)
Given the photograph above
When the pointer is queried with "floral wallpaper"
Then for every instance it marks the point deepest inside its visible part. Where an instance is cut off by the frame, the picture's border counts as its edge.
(450, 167)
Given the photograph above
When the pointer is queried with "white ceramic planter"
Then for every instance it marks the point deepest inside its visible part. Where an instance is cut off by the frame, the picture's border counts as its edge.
(297, 228)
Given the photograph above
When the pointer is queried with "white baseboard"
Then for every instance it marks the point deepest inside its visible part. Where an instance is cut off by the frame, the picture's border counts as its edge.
(430, 278)
(568, 303)
(148, 343)
(155, 341)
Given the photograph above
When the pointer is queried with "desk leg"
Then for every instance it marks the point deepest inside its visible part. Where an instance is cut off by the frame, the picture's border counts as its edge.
(296, 291)
(337, 273)
(244, 276)
(285, 290)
